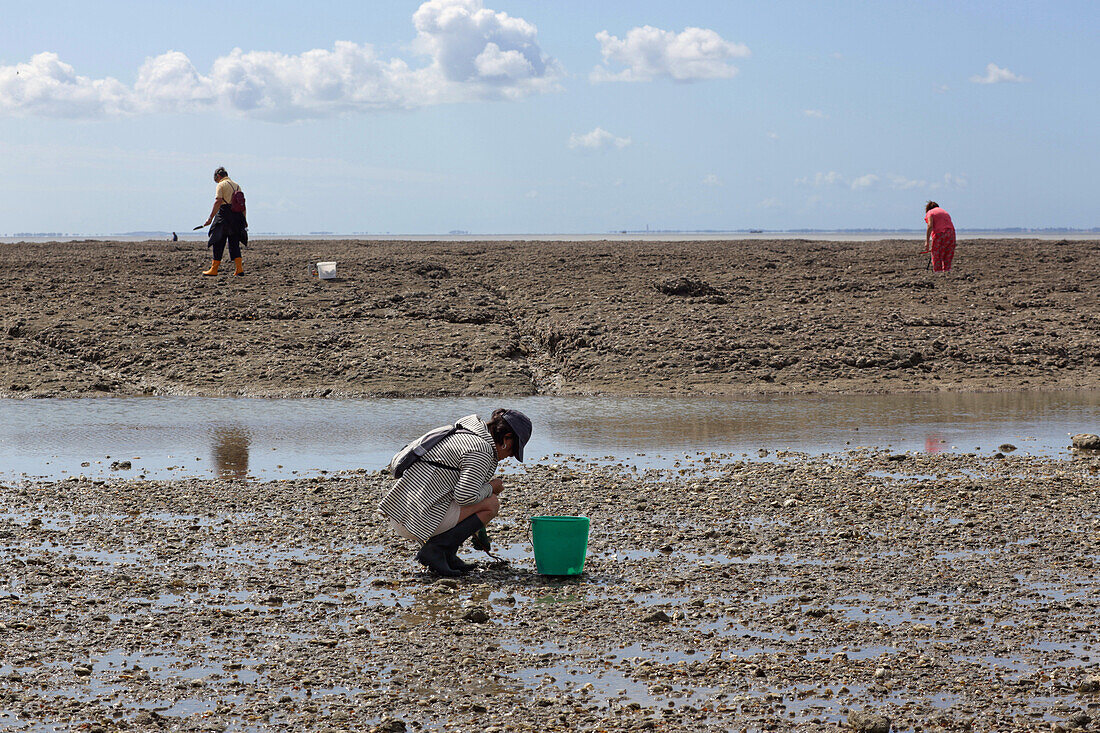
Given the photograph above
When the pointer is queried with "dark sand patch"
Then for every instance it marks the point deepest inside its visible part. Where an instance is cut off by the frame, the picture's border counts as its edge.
(422, 318)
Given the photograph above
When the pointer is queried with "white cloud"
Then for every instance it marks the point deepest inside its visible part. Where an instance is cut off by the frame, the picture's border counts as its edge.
(474, 53)
(170, 82)
(492, 63)
(951, 181)
(814, 113)
(821, 179)
(598, 139)
(484, 51)
(869, 180)
(532, 194)
(47, 87)
(770, 203)
(712, 179)
(833, 178)
(649, 53)
(901, 183)
(865, 181)
(995, 75)
(941, 88)
(773, 135)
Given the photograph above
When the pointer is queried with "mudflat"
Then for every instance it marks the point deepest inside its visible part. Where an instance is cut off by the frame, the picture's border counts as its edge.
(513, 318)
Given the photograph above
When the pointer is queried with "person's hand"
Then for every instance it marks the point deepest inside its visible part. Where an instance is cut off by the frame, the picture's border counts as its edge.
(210, 219)
(498, 485)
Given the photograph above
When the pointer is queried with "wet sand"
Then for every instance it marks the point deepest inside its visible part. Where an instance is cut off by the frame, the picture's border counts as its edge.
(514, 318)
(944, 592)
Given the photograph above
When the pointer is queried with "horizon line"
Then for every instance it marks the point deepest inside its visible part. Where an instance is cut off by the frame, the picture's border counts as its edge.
(620, 232)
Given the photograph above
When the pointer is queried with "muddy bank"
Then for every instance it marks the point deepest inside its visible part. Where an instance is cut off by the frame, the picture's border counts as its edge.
(944, 592)
(415, 318)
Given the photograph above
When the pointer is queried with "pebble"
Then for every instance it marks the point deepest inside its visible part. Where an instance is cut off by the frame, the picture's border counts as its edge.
(476, 616)
(865, 721)
(1086, 441)
(657, 617)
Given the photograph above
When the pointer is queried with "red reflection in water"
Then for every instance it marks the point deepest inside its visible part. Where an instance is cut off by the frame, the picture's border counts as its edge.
(934, 444)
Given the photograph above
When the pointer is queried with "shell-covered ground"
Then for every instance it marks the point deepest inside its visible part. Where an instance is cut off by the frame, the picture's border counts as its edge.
(947, 592)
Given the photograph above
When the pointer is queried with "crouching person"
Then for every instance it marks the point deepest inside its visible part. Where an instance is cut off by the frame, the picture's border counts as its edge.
(445, 491)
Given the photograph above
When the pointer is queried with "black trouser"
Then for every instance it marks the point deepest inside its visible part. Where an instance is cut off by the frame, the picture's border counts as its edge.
(234, 249)
(229, 226)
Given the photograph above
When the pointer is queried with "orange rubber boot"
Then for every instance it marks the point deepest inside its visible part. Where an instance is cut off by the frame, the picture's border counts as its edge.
(214, 264)
(240, 265)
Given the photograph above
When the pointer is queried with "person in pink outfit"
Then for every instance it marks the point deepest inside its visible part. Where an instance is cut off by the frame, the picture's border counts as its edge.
(939, 240)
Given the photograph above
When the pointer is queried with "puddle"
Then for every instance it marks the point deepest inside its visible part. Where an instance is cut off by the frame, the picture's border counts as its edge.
(857, 653)
(784, 559)
(610, 684)
(91, 557)
(1036, 592)
(257, 554)
(238, 437)
(163, 666)
(436, 603)
(727, 627)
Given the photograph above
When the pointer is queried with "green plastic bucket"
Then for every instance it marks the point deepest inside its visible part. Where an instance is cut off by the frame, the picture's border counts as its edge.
(560, 543)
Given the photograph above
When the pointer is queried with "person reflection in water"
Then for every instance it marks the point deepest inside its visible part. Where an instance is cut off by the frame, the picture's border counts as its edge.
(231, 452)
(934, 443)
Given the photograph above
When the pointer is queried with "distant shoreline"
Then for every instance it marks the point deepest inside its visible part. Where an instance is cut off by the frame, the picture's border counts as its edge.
(834, 235)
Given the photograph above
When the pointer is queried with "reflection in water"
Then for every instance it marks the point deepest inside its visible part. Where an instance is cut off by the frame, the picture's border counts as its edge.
(231, 452)
(934, 443)
(436, 603)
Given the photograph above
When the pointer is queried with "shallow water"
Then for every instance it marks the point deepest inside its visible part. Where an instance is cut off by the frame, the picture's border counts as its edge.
(173, 437)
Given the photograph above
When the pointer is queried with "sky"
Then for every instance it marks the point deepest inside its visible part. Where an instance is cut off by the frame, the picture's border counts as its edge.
(520, 116)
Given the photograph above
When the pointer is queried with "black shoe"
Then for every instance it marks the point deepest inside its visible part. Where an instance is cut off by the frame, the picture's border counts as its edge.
(436, 551)
(457, 563)
(434, 557)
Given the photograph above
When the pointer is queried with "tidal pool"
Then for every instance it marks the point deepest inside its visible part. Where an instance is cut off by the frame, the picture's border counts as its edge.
(173, 437)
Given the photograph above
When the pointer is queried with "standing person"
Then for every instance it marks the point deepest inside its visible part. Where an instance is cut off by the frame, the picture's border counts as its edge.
(449, 494)
(230, 222)
(939, 239)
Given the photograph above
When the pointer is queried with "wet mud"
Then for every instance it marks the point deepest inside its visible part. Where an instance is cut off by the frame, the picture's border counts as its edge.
(948, 592)
(518, 318)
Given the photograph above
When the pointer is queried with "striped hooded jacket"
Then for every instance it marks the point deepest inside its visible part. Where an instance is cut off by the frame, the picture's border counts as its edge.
(420, 498)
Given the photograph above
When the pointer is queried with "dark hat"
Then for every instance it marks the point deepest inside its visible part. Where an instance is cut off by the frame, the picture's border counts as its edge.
(521, 426)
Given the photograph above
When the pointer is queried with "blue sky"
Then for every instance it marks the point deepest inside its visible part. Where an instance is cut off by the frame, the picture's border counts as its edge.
(509, 116)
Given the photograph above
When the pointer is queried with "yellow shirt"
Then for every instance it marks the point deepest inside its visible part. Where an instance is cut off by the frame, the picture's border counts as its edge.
(226, 189)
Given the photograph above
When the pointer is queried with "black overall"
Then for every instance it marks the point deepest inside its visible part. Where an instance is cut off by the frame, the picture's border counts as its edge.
(228, 226)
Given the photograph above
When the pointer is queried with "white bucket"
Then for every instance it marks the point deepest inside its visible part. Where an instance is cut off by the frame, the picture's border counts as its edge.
(326, 270)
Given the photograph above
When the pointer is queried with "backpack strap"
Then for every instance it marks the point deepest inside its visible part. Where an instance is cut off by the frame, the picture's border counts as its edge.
(437, 464)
